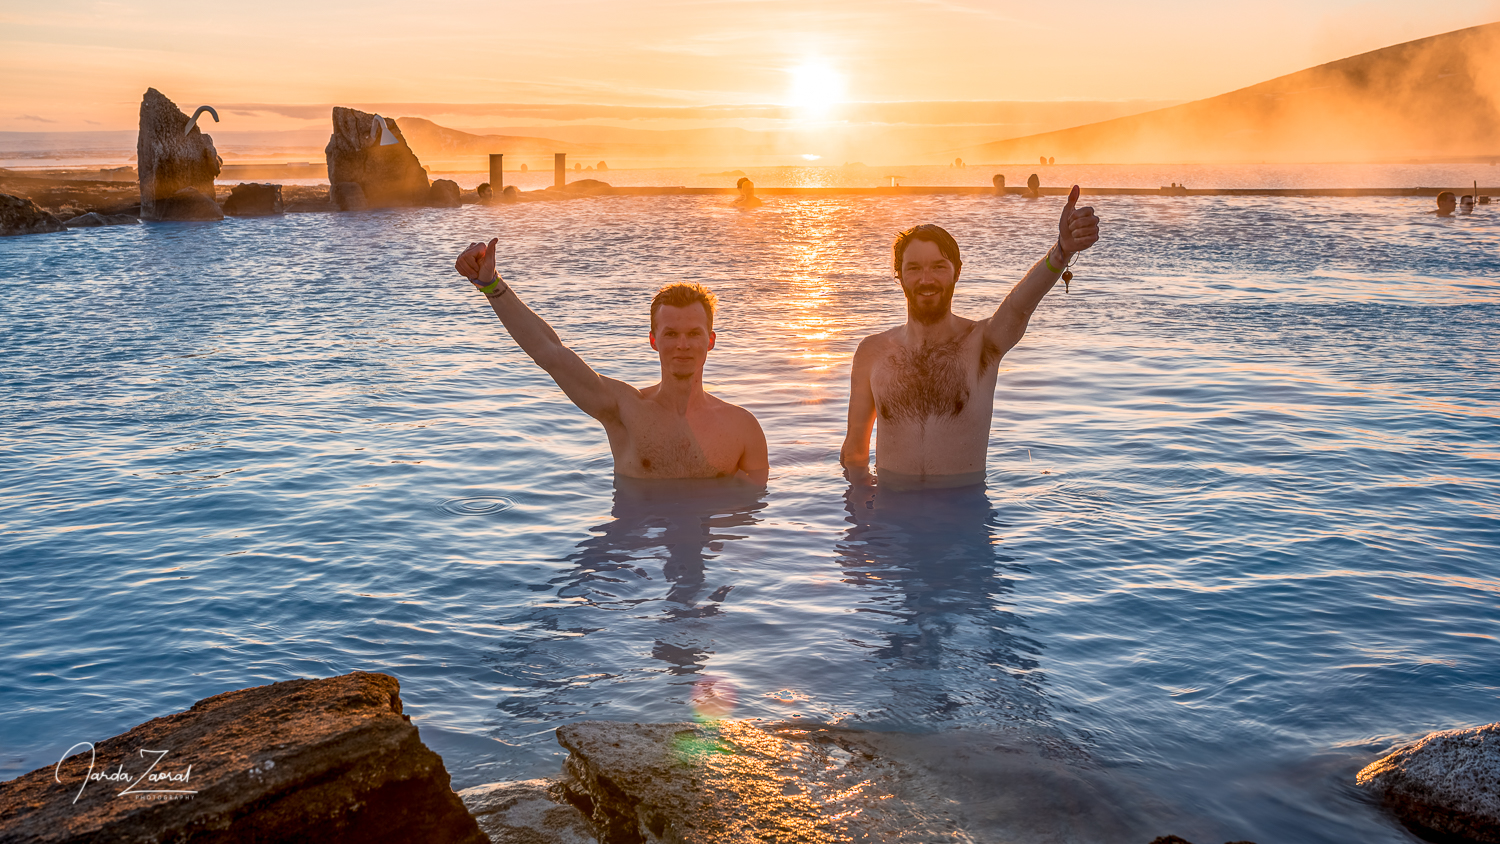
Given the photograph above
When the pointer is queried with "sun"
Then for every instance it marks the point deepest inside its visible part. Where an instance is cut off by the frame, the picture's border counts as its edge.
(815, 88)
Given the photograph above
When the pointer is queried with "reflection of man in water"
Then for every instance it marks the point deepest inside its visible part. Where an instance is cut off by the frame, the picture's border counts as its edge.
(1446, 202)
(931, 382)
(938, 632)
(747, 197)
(671, 429)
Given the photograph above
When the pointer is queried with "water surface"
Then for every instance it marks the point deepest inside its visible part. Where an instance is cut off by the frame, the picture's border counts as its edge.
(1238, 535)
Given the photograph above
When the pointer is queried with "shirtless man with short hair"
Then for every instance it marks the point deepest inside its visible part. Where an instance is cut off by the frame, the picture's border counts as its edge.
(671, 429)
(931, 382)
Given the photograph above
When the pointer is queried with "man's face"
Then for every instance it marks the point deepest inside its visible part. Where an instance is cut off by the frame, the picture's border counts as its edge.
(747, 189)
(1445, 205)
(927, 279)
(682, 339)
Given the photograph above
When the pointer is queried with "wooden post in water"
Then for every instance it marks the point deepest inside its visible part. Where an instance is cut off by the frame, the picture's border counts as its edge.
(497, 173)
(559, 169)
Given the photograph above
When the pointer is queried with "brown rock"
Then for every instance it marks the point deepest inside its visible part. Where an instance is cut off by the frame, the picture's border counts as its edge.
(170, 160)
(303, 760)
(188, 205)
(348, 196)
(1447, 783)
(389, 175)
(445, 193)
(22, 216)
(252, 199)
(526, 812)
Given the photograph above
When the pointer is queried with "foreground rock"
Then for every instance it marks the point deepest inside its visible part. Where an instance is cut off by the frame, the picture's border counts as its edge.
(387, 174)
(810, 783)
(170, 160)
(1447, 783)
(526, 812)
(22, 216)
(253, 199)
(304, 760)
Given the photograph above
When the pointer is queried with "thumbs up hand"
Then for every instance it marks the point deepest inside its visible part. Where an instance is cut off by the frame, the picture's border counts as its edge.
(1079, 228)
(477, 263)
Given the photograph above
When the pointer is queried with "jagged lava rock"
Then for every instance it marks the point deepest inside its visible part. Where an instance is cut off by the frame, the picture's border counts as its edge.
(389, 175)
(253, 199)
(302, 760)
(22, 216)
(445, 193)
(169, 160)
(1449, 783)
(526, 812)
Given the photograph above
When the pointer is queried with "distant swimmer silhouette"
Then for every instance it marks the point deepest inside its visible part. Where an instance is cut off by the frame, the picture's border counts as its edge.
(747, 197)
(671, 429)
(1033, 187)
(930, 384)
(999, 183)
(1446, 202)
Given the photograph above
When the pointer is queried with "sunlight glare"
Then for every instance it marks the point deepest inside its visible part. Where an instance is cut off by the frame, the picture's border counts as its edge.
(816, 87)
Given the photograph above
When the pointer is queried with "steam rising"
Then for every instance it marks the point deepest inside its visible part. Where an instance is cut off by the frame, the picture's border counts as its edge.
(1437, 97)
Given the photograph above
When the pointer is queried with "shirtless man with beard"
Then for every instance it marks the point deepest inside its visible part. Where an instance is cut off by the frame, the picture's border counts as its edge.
(931, 382)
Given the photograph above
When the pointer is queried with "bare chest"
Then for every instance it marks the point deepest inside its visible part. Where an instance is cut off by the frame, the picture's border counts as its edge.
(932, 382)
(654, 442)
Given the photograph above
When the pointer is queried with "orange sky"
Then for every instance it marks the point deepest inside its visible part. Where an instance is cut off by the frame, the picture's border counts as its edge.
(84, 65)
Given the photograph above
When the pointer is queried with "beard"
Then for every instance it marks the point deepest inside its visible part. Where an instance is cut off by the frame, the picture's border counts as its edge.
(930, 313)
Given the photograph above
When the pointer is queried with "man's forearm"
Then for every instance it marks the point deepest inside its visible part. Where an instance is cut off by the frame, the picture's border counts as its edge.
(532, 333)
(1040, 279)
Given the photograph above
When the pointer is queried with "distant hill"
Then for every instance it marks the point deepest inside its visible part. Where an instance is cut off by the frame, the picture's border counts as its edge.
(1437, 97)
(432, 142)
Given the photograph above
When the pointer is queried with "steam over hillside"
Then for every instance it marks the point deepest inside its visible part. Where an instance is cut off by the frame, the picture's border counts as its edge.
(1436, 97)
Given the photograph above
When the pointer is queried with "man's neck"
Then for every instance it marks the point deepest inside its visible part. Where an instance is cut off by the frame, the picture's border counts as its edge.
(920, 333)
(679, 393)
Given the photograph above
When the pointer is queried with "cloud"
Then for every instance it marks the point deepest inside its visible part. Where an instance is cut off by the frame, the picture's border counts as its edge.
(34, 118)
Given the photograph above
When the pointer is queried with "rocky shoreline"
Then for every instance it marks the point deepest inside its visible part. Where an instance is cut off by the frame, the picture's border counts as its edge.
(336, 760)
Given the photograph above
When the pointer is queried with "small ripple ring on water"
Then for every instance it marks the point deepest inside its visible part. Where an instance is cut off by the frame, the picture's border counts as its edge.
(482, 506)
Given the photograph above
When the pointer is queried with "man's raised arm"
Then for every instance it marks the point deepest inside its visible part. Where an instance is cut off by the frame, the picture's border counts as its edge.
(1077, 230)
(594, 394)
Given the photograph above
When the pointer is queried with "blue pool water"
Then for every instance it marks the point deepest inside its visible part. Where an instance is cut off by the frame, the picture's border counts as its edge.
(1240, 533)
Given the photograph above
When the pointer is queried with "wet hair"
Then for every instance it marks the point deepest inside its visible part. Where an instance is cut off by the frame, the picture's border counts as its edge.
(932, 234)
(1449, 194)
(682, 294)
(742, 181)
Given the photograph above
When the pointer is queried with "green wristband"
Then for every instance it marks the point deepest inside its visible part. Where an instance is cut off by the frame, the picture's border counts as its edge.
(1048, 259)
(492, 286)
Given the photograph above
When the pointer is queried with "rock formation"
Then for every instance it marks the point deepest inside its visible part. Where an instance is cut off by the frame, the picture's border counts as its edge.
(302, 760)
(22, 216)
(172, 157)
(389, 174)
(1447, 783)
(526, 812)
(445, 193)
(187, 204)
(348, 196)
(808, 783)
(252, 199)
